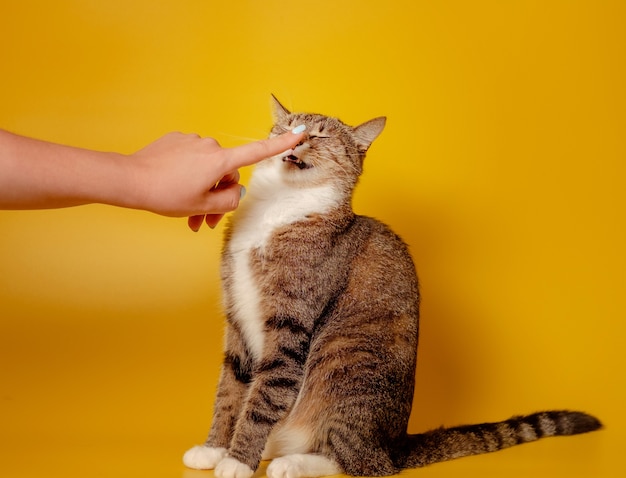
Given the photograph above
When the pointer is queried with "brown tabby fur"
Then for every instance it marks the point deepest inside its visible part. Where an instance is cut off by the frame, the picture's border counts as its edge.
(338, 308)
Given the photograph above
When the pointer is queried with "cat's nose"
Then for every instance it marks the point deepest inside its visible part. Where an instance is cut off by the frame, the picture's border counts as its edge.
(302, 146)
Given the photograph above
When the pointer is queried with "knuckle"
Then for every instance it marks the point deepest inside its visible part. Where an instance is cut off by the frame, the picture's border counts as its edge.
(233, 202)
(212, 142)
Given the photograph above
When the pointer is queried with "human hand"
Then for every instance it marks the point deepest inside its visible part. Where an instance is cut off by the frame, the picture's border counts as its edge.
(186, 175)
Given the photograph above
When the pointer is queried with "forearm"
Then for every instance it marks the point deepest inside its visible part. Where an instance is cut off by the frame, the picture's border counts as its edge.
(36, 174)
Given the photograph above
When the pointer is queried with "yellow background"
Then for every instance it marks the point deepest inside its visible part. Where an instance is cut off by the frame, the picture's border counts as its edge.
(502, 165)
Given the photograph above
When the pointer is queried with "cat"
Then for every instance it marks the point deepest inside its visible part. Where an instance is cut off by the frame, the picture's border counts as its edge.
(322, 310)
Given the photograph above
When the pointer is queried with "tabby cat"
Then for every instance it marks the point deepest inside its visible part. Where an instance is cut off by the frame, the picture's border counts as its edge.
(322, 310)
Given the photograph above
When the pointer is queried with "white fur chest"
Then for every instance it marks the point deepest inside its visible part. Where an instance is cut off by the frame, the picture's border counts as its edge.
(270, 204)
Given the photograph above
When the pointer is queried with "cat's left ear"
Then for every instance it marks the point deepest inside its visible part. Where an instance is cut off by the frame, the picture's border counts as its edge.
(366, 133)
(280, 112)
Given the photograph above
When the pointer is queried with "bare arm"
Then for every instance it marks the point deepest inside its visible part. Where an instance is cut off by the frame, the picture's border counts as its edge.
(173, 176)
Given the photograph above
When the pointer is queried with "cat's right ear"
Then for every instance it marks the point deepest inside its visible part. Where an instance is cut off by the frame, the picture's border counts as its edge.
(367, 132)
(280, 112)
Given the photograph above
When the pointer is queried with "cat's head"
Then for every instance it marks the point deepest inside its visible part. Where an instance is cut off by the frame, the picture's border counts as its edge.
(331, 151)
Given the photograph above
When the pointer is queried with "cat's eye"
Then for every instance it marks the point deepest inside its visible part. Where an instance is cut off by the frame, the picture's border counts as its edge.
(316, 136)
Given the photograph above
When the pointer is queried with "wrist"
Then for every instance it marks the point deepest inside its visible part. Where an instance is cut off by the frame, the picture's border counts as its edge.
(110, 180)
(125, 186)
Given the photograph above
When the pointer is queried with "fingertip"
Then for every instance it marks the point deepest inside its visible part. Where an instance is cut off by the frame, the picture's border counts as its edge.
(287, 141)
(212, 220)
(195, 222)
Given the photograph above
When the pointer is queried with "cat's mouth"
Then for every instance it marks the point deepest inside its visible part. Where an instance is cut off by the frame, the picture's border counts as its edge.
(293, 159)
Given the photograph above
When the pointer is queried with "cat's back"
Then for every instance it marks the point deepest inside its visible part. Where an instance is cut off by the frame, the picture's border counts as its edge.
(382, 271)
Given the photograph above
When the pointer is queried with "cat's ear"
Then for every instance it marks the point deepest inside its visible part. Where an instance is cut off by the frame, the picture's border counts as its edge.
(366, 133)
(280, 112)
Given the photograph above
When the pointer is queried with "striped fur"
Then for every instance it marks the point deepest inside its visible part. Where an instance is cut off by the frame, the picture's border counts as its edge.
(322, 311)
(446, 444)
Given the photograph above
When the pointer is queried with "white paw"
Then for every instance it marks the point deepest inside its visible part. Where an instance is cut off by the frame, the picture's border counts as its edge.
(284, 467)
(301, 465)
(203, 457)
(231, 468)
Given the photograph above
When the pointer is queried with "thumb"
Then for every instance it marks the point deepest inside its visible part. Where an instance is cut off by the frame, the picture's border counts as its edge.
(224, 198)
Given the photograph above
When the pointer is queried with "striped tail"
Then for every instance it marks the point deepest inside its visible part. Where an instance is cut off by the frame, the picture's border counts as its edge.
(449, 443)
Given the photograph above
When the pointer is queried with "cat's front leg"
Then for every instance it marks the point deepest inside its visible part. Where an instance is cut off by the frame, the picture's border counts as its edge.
(227, 406)
(232, 389)
(277, 381)
(233, 386)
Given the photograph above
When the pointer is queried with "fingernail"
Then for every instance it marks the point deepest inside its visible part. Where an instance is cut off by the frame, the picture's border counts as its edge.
(298, 129)
(242, 192)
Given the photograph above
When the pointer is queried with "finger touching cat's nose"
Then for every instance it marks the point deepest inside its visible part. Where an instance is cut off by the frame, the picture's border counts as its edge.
(254, 152)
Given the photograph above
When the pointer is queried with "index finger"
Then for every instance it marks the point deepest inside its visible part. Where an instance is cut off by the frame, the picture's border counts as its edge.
(254, 152)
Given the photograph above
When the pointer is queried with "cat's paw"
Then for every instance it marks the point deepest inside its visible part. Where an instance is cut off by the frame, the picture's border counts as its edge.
(285, 467)
(301, 465)
(232, 468)
(203, 457)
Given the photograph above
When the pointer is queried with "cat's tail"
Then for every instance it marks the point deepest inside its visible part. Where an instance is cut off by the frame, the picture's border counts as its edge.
(448, 443)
